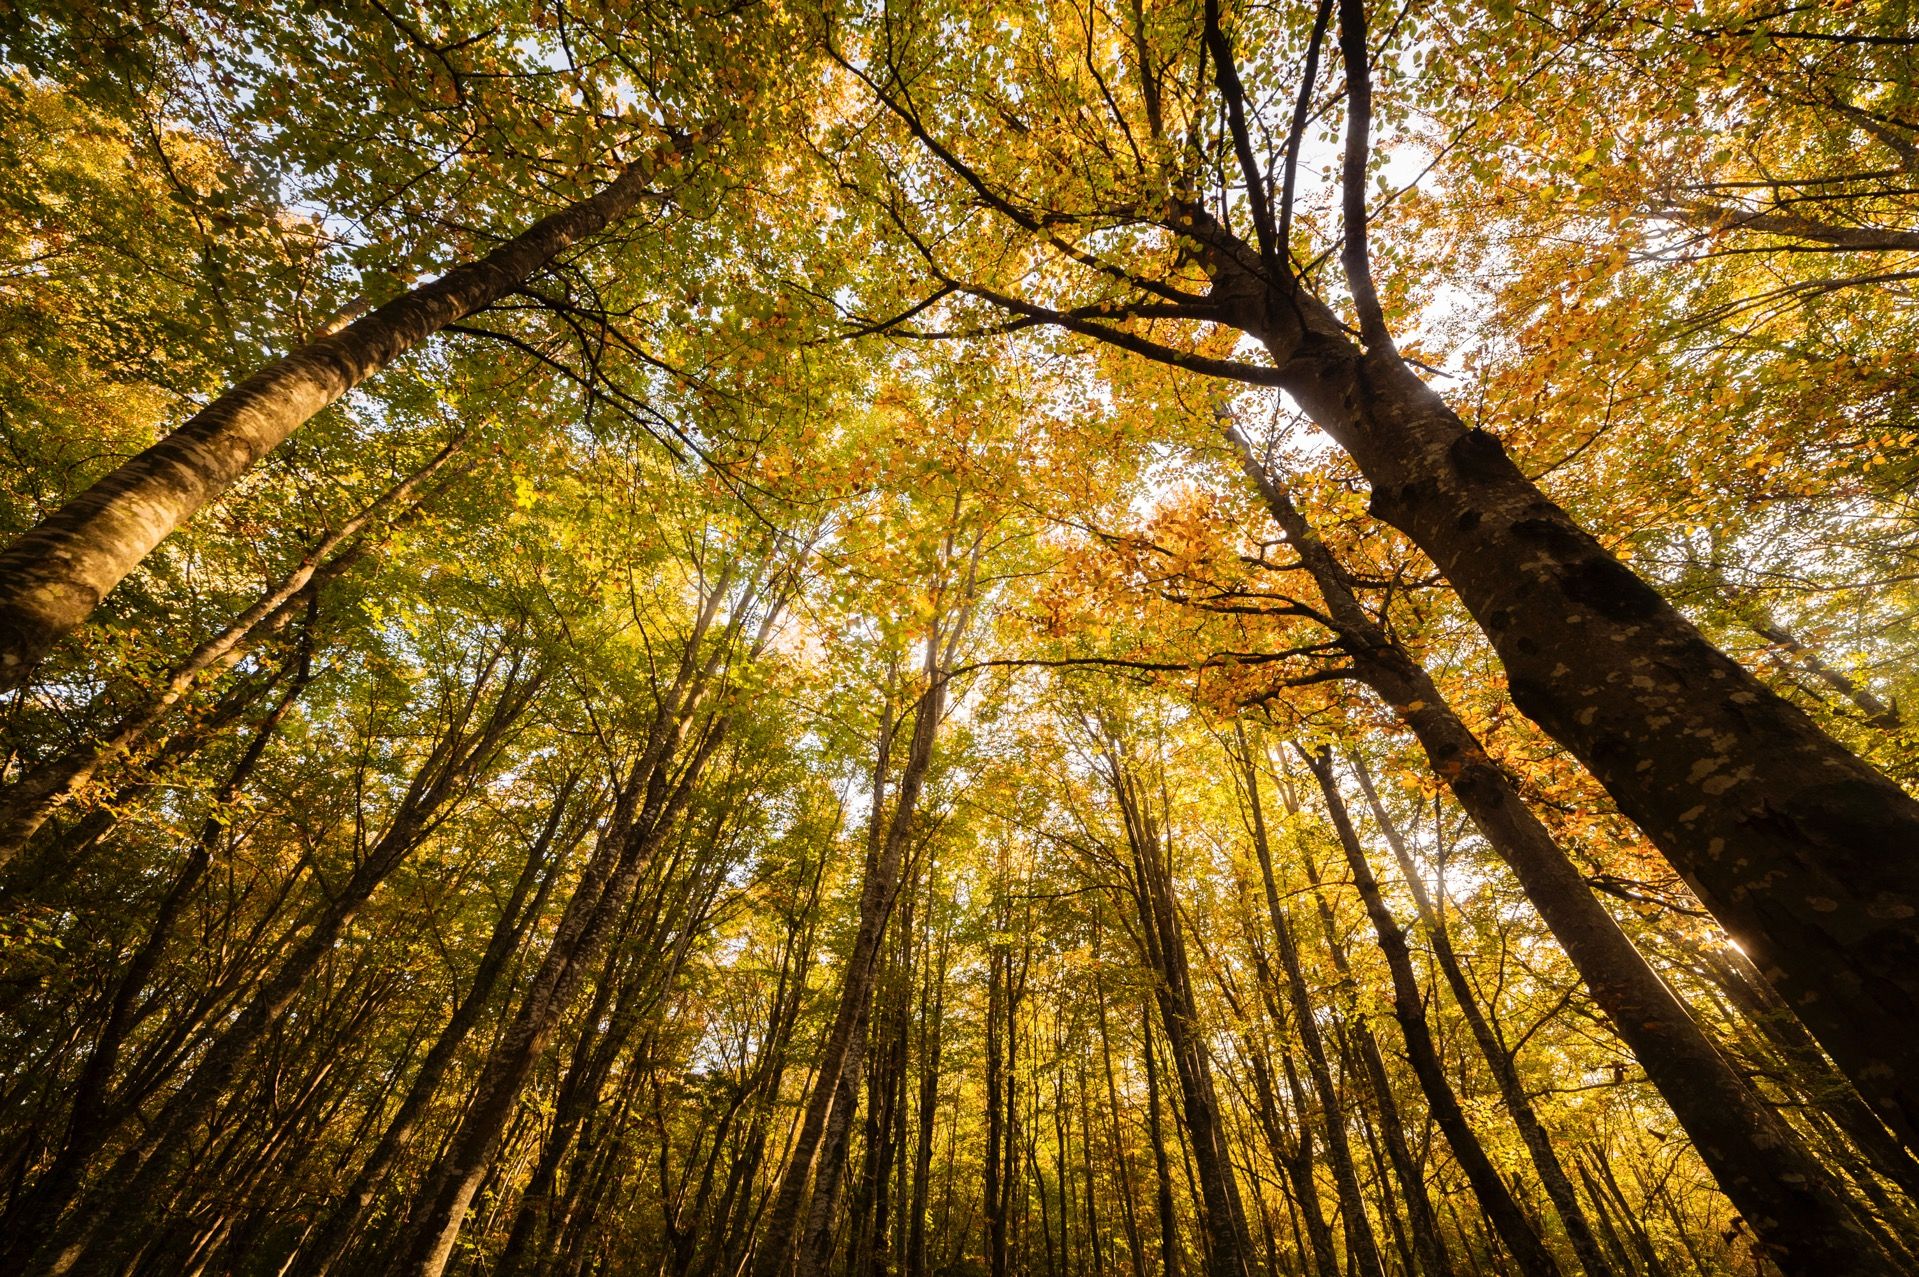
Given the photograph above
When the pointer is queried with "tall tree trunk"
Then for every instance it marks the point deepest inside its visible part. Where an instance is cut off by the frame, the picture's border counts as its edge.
(1293, 1154)
(1360, 1241)
(885, 1081)
(1827, 1091)
(882, 880)
(1786, 1197)
(1223, 1218)
(1122, 1162)
(1427, 1243)
(1514, 1229)
(585, 925)
(94, 1117)
(926, 1110)
(732, 1221)
(1552, 1174)
(53, 577)
(650, 802)
(517, 916)
(1156, 1135)
(1803, 851)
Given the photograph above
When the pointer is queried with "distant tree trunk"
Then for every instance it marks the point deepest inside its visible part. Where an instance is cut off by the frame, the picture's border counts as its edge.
(53, 577)
(1880, 714)
(1156, 1135)
(1360, 1242)
(820, 1228)
(1001, 1170)
(599, 898)
(885, 1082)
(1514, 1229)
(885, 858)
(1789, 1199)
(94, 1116)
(730, 1223)
(926, 1111)
(1552, 1175)
(318, 1257)
(1122, 1162)
(1223, 1216)
(1428, 1246)
(1294, 1155)
(1095, 1241)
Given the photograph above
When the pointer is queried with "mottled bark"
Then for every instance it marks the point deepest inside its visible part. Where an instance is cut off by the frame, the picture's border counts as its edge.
(1804, 852)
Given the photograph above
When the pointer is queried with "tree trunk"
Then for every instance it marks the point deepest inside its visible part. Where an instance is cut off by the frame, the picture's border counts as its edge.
(1782, 1193)
(1552, 1174)
(926, 1112)
(1361, 1245)
(877, 894)
(1803, 852)
(1293, 1154)
(53, 576)
(1427, 1244)
(26, 804)
(317, 1258)
(94, 1117)
(1122, 1163)
(1223, 1218)
(597, 901)
(1169, 1264)
(1514, 1229)
(131, 1190)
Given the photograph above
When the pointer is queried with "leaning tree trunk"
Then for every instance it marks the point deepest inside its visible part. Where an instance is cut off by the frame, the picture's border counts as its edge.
(1521, 1238)
(95, 1115)
(1361, 1244)
(609, 880)
(1785, 1195)
(886, 857)
(1552, 1173)
(1428, 1246)
(317, 1257)
(53, 577)
(1807, 855)
(1163, 947)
